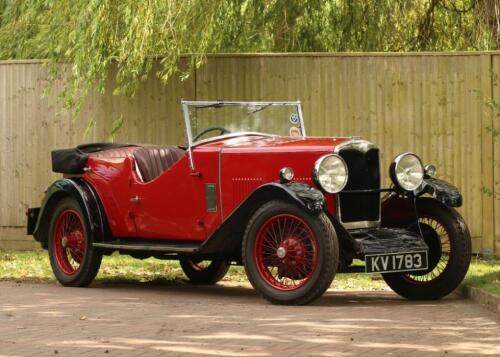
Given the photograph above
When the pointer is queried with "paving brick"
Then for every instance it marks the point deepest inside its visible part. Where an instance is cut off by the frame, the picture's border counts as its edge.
(130, 320)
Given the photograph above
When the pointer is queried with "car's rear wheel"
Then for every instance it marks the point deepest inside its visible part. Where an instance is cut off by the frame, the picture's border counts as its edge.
(449, 242)
(290, 256)
(74, 261)
(204, 272)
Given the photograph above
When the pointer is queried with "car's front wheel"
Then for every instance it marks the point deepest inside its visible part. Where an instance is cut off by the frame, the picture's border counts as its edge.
(449, 242)
(290, 256)
(74, 261)
(204, 271)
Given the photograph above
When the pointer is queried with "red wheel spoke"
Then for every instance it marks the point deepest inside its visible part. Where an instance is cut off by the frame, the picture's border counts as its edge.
(69, 241)
(291, 237)
(276, 232)
(272, 244)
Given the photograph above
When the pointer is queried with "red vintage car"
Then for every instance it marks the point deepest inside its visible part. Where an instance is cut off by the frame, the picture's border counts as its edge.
(250, 188)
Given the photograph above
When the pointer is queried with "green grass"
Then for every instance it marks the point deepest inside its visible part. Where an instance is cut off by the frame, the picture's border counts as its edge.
(34, 266)
(484, 275)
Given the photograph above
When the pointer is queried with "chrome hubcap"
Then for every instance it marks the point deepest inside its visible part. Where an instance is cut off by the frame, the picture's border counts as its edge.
(281, 252)
(64, 241)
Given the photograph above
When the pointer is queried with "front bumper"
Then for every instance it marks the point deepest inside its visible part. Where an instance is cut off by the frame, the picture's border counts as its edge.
(387, 241)
(391, 250)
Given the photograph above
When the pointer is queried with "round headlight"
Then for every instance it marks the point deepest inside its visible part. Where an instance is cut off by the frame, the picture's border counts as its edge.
(330, 173)
(407, 171)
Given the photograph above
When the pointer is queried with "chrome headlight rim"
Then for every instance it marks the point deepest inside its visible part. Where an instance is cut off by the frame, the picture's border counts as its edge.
(316, 169)
(286, 174)
(393, 173)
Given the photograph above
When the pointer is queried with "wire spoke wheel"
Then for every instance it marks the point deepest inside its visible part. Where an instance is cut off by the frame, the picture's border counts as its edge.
(438, 239)
(69, 241)
(200, 271)
(74, 260)
(286, 252)
(290, 255)
(448, 239)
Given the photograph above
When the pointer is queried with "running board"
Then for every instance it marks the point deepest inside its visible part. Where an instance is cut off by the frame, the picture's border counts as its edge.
(150, 247)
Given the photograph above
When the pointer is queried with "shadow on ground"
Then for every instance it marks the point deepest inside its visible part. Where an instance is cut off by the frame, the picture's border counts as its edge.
(245, 291)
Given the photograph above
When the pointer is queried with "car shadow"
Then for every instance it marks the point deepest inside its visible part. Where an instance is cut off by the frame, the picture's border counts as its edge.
(246, 294)
(180, 286)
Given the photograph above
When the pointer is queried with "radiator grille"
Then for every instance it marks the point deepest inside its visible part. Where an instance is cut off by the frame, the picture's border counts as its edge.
(364, 173)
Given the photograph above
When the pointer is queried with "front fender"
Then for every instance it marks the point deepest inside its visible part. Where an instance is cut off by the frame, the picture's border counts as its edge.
(86, 197)
(308, 197)
(442, 191)
(399, 209)
(228, 236)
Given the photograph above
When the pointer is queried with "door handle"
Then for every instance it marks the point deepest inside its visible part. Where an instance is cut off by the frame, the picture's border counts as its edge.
(135, 200)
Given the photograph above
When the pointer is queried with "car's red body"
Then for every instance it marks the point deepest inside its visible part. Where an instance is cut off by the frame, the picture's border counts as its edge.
(294, 210)
(169, 207)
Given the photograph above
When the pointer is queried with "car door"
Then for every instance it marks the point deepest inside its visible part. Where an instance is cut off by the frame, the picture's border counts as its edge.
(168, 206)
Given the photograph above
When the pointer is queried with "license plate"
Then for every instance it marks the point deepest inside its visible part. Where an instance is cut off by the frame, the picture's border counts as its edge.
(395, 262)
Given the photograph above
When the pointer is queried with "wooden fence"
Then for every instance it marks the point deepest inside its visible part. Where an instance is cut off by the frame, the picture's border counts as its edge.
(431, 103)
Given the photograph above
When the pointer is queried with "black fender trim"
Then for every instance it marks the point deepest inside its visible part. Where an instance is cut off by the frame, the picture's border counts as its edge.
(86, 197)
(442, 191)
(228, 236)
(399, 208)
(309, 197)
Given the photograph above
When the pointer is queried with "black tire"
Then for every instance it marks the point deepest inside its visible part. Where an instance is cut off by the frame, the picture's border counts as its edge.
(318, 250)
(448, 238)
(204, 275)
(82, 252)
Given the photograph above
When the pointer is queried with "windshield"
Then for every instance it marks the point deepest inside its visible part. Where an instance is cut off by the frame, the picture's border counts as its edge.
(205, 120)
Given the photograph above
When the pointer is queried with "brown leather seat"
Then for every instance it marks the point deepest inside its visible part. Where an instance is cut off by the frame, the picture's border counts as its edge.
(152, 161)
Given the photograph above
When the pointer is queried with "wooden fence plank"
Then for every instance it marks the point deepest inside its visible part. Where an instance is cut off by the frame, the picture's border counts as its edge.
(487, 181)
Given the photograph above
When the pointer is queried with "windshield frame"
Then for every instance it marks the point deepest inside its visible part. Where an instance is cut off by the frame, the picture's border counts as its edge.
(219, 103)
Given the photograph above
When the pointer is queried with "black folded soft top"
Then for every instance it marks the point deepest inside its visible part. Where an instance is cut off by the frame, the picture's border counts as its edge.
(72, 161)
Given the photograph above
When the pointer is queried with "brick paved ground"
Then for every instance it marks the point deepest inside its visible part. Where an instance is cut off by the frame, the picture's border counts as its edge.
(126, 320)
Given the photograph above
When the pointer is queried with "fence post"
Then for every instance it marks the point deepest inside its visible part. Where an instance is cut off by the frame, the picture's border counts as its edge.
(487, 181)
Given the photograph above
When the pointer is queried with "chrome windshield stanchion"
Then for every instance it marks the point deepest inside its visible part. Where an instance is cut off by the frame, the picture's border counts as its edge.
(185, 111)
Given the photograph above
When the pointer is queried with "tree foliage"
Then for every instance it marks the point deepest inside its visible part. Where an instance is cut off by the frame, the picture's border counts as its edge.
(92, 34)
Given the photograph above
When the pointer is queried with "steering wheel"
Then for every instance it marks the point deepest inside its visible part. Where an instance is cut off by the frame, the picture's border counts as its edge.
(212, 128)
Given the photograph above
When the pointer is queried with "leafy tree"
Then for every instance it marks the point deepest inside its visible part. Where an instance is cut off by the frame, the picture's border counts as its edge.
(92, 34)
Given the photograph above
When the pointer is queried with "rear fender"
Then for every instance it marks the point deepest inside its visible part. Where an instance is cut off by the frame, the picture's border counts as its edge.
(86, 197)
(228, 237)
